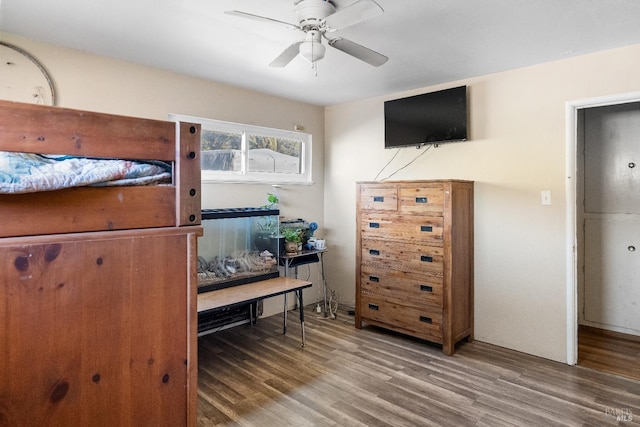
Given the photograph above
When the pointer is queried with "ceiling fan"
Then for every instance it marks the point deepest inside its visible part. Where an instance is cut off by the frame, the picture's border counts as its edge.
(317, 18)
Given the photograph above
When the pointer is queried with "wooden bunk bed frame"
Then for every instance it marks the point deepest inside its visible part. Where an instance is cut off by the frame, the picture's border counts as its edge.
(98, 317)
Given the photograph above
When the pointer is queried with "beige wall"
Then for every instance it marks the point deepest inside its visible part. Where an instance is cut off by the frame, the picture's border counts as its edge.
(89, 82)
(517, 149)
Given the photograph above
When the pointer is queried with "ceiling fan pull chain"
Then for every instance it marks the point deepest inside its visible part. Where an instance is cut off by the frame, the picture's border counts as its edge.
(314, 64)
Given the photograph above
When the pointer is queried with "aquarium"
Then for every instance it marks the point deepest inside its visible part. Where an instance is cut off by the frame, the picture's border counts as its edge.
(239, 246)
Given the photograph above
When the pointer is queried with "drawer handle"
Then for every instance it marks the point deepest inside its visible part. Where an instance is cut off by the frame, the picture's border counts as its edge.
(426, 288)
(378, 198)
(425, 258)
(374, 307)
(426, 319)
(374, 279)
(426, 228)
(374, 225)
(421, 200)
(374, 252)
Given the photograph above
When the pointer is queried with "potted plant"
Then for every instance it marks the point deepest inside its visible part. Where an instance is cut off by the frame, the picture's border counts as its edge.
(268, 236)
(292, 240)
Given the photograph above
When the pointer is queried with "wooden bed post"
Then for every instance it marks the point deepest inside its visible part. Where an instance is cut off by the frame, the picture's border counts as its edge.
(187, 174)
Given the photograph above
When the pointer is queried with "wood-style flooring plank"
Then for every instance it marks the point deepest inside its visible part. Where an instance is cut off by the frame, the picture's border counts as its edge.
(256, 376)
(609, 351)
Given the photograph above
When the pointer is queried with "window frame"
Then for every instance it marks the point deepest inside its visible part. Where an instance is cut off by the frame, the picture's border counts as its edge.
(244, 175)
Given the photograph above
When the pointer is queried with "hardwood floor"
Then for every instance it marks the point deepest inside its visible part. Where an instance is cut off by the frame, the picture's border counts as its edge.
(255, 376)
(609, 351)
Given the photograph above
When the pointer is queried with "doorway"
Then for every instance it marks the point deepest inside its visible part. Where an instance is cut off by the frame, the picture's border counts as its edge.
(606, 279)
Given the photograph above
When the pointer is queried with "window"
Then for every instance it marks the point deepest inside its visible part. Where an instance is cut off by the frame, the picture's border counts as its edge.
(233, 152)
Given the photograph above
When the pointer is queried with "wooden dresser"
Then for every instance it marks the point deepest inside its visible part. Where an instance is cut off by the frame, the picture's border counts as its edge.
(414, 259)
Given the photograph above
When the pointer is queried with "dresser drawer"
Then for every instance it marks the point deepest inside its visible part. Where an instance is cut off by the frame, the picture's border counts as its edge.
(421, 199)
(402, 256)
(407, 228)
(419, 288)
(421, 321)
(379, 198)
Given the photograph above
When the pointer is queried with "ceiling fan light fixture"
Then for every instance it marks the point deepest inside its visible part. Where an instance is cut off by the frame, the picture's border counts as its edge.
(312, 48)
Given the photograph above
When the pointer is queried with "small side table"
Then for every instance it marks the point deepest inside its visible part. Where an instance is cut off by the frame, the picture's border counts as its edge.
(307, 256)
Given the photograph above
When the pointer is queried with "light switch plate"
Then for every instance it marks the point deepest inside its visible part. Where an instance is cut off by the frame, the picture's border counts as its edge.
(545, 197)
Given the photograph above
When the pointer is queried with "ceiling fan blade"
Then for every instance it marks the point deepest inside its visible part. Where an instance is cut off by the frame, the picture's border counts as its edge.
(286, 56)
(260, 18)
(355, 13)
(365, 54)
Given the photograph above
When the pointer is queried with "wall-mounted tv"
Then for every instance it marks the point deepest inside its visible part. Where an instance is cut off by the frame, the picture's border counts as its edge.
(429, 118)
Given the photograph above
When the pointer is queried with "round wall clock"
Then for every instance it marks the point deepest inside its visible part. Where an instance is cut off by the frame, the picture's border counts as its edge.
(23, 78)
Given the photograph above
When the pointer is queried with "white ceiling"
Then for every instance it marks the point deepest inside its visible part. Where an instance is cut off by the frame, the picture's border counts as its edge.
(427, 41)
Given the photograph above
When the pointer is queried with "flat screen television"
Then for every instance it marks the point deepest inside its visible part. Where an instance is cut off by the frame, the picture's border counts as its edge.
(429, 118)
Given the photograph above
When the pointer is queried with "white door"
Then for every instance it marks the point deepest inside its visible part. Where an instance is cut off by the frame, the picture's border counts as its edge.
(612, 218)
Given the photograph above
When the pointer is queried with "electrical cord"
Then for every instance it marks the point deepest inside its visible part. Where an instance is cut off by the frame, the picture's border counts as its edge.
(408, 164)
(385, 166)
(333, 305)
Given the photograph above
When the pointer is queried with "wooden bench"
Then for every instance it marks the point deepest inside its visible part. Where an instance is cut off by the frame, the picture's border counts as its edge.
(252, 292)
